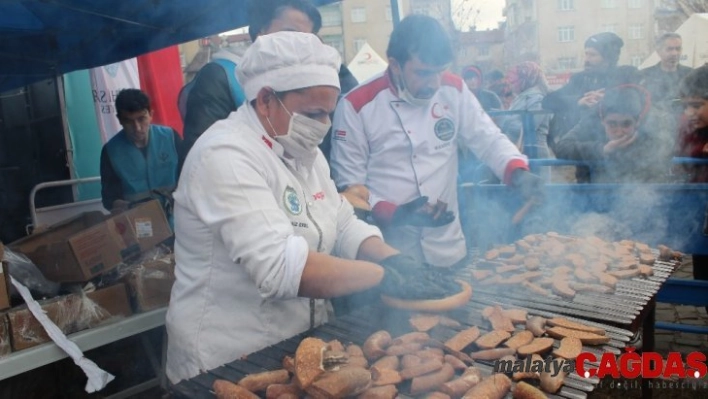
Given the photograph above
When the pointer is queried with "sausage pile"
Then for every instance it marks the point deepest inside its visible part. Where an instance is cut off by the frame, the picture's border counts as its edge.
(418, 365)
(552, 263)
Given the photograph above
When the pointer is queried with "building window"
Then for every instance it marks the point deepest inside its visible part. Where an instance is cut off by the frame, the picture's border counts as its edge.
(483, 50)
(608, 4)
(565, 63)
(566, 33)
(637, 61)
(566, 5)
(358, 44)
(389, 14)
(635, 31)
(331, 16)
(634, 4)
(358, 14)
(609, 28)
(334, 41)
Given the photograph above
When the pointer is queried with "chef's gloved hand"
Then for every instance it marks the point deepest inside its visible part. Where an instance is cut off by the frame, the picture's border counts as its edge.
(406, 278)
(422, 214)
(529, 185)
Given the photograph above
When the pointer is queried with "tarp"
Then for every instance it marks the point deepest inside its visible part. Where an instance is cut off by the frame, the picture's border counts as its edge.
(366, 64)
(694, 37)
(40, 39)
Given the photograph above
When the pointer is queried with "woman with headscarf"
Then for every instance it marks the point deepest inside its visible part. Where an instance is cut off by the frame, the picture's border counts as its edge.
(528, 83)
(262, 236)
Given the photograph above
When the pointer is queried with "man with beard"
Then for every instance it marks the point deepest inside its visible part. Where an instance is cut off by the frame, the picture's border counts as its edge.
(662, 81)
(399, 135)
(580, 96)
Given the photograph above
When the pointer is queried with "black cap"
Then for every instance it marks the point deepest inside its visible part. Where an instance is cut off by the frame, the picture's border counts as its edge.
(607, 44)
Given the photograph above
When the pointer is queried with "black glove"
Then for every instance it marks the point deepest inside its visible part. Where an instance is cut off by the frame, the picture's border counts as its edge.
(419, 213)
(529, 185)
(406, 278)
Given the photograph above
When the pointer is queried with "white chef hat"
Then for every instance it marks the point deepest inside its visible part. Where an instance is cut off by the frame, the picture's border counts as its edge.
(288, 61)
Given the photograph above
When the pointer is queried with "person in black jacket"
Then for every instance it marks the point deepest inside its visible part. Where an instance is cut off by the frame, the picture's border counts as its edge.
(580, 96)
(211, 98)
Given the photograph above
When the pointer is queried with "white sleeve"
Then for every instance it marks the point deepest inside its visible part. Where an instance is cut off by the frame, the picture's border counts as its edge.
(482, 136)
(350, 147)
(351, 231)
(229, 192)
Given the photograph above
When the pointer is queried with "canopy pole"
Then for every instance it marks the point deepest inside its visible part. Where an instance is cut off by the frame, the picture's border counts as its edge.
(395, 13)
(59, 79)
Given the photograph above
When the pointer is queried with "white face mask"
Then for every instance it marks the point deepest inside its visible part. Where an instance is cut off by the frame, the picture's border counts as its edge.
(303, 136)
(405, 94)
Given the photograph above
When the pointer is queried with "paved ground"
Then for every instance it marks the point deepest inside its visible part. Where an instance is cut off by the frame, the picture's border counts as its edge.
(669, 341)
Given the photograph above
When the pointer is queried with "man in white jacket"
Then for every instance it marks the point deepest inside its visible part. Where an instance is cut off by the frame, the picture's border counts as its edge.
(399, 134)
(262, 236)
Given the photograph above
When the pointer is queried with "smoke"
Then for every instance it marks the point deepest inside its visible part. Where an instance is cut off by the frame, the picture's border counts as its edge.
(652, 213)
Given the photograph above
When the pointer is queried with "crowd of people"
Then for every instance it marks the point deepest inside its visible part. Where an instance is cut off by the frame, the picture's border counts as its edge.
(261, 189)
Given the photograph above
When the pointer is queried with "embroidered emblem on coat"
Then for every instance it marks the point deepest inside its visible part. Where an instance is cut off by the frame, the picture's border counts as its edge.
(291, 201)
(445, 129)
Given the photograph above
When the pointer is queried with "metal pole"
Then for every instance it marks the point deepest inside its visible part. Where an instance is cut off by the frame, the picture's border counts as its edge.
(395, 13)
(59, 79)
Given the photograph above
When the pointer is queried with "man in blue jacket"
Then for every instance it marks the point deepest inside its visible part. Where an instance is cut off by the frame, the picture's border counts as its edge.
(141, 159)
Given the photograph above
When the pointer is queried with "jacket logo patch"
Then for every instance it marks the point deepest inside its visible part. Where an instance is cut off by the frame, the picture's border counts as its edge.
(319, 196)
(291, 201)
(340, 135)
(445, 129)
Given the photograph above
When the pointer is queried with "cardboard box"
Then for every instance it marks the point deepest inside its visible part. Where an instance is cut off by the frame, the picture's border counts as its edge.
(150, 284)
(4, 282)
(88, 245)
(71, 313)
(5, 347)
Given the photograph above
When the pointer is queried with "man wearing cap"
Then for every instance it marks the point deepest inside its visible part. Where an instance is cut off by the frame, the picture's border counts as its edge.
(263, 238)
(399, 136)
(580, 96)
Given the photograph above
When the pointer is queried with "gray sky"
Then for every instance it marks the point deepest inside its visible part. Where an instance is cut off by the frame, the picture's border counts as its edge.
(490, 13)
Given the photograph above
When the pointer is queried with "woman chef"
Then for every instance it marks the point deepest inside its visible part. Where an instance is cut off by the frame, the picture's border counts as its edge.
(260, 227)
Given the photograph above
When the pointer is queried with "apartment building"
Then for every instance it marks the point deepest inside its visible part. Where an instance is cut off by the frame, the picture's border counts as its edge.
(349, 24)
(553, 32)
(484, 49)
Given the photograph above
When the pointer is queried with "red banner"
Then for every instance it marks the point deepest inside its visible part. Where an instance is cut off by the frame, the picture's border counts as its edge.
(161, 78)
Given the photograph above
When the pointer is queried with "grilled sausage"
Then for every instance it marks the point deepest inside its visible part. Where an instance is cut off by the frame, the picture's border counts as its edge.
(517, 316)
(275, 391)
(495, 386)
(570, 348)
(524, 390)
(385, 376)
(537, 325)
(457, 387)
(347, 381)
(376, 344)
(529, 375)
(499, 321)
(424, 322)
(260, 381)
(410, 338)
(456, 363)
(382, 392)
(228, 390)
(552, 384)
(463, 338)
(492, 354)
(492, 339)
(432, 381)
(425, 367)
(387, 362)
(403, 349)
(519, 339)
(538, 345)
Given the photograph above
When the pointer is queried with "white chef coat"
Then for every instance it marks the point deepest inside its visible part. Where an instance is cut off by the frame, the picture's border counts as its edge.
(401, 152)
(245, 218)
